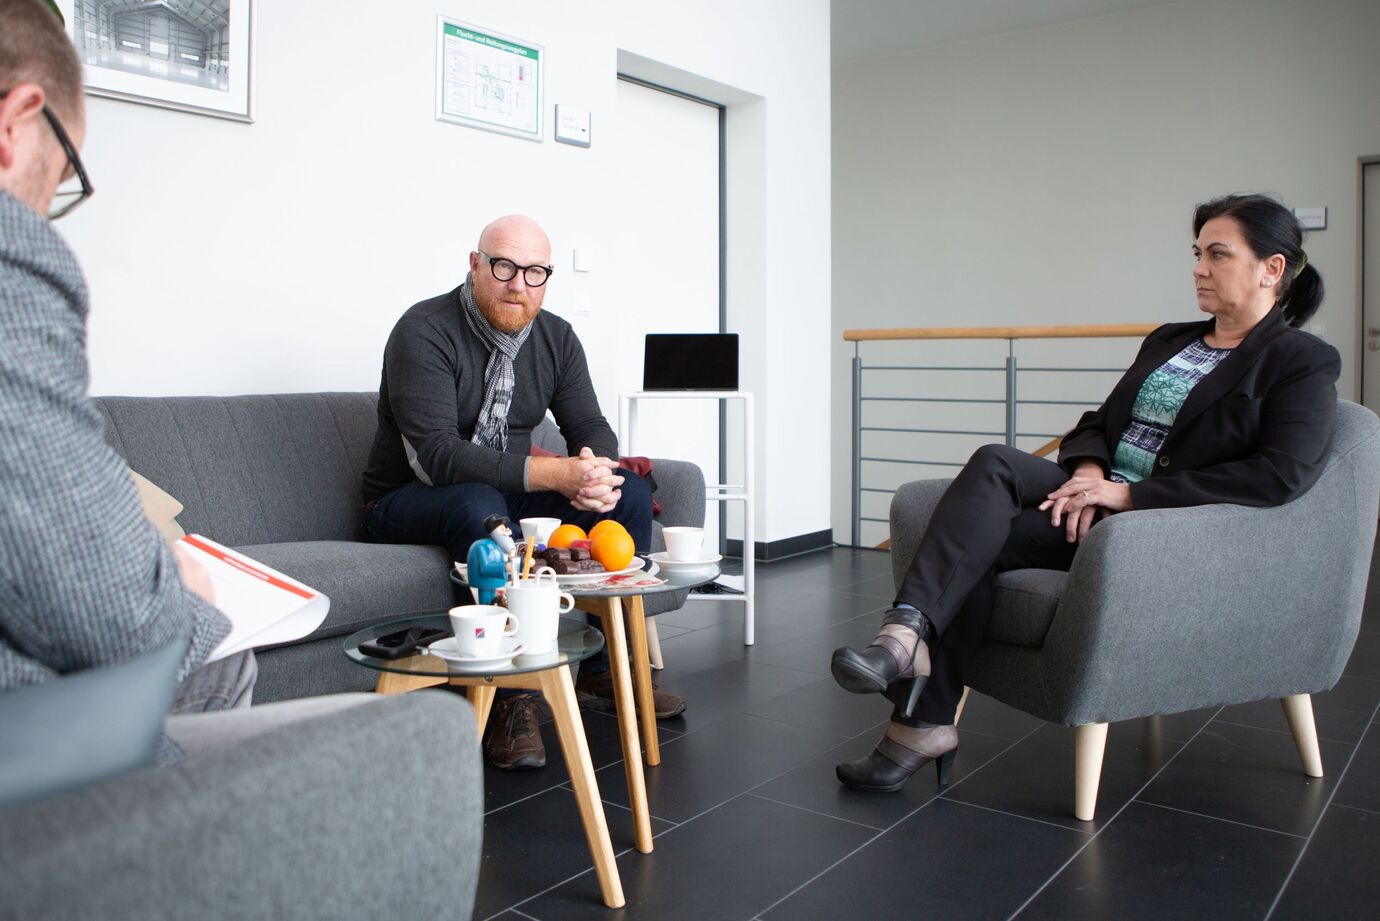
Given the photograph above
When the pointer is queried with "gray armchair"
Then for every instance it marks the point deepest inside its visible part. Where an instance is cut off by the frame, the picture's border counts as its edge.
(375, 811)
(1176, 609)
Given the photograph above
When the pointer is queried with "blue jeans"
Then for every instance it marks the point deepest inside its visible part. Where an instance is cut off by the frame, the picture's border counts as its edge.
(453, 516)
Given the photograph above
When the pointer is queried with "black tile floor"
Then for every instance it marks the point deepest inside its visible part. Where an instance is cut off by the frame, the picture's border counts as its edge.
(1200, 815)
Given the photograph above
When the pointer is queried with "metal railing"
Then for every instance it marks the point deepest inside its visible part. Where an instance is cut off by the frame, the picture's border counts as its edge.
(1011, 401)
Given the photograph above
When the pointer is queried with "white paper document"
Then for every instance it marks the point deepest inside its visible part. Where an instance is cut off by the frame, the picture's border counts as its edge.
(264, 605)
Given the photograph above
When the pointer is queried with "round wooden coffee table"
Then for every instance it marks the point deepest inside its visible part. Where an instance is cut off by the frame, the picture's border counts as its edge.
(632, 685)
(548, 673)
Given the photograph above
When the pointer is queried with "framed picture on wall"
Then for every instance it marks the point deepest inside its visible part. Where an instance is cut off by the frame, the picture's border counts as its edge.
(190, 55)
(488, 80)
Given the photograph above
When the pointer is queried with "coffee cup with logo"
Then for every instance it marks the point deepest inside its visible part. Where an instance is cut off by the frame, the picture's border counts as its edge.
(539, 603)
(481, 628)
(684, 544)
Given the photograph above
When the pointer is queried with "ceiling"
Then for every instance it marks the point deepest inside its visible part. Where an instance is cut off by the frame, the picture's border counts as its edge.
(872, 28)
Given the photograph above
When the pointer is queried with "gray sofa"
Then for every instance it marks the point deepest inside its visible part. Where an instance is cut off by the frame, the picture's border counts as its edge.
(1168, 610)
(278, 477)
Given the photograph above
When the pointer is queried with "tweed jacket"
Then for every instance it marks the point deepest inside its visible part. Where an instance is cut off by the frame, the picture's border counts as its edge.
(85, 579)
(1255, 431)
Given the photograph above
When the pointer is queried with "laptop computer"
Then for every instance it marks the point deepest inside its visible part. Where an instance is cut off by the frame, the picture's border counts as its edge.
(690, 361)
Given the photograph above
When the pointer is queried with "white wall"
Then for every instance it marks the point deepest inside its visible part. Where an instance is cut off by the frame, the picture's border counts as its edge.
(226, 258)
(1048, 176)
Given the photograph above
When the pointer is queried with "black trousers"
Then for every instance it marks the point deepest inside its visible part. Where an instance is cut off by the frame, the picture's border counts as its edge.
(985, 524)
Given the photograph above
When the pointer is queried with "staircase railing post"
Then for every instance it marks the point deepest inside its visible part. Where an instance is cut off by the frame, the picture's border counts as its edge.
(857, 447)
(1011, 392)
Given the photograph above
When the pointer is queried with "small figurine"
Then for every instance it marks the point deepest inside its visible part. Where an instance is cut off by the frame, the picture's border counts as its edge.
(501, 532)
(491, 558)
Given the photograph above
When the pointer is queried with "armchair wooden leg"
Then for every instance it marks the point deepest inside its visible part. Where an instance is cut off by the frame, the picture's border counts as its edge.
(1089, 743)
(1298, 710)
(958, 714)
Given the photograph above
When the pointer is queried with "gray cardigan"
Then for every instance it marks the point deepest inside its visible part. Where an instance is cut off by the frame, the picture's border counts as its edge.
(85, 580)
(433, 387)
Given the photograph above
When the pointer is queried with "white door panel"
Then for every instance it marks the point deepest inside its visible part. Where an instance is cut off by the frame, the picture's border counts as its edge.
(665, 273)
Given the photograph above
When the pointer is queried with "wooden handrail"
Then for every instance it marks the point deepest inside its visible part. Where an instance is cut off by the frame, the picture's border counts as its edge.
(1103, 331)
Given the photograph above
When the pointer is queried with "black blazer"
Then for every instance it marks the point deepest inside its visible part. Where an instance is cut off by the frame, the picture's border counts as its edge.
(1254, 431)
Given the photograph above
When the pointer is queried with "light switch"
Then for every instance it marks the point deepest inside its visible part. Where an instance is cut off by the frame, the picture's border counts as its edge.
(582, 305)
(1311, 218)
(580, 259)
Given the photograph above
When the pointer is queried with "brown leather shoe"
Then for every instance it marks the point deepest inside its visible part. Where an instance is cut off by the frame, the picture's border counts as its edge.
(513, 741)
(596, 693)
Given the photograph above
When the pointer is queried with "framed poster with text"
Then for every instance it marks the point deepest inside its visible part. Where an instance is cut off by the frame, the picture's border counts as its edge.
(189, 55)
(488, 80)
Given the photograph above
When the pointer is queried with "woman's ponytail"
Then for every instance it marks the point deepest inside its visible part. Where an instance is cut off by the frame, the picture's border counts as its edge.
(1302, 296)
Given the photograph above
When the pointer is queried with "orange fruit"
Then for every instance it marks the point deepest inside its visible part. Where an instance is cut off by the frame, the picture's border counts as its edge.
(562, 536)
(613, 549)
(608, 524)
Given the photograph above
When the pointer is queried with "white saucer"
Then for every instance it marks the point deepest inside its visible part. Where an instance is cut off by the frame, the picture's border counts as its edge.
(589, 578)
(665, 562)
(445, 649)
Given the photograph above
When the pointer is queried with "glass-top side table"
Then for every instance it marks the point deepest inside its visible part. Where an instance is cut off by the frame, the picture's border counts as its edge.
(630, 668)
(678, 581)
(548, 674)
(574, 643)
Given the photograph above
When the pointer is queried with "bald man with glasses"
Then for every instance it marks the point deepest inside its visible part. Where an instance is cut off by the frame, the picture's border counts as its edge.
(466, 378)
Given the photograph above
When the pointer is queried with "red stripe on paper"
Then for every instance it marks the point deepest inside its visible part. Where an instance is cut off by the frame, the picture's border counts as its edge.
(247, 569)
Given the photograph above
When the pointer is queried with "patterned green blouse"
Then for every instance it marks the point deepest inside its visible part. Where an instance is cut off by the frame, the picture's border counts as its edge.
(1157, 404)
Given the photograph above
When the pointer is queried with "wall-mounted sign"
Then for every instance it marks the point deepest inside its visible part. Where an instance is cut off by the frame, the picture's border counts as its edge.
(488, 80)
(572, 126)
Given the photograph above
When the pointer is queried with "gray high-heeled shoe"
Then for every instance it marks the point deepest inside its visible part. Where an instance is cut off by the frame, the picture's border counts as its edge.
(891, 763)
(885, 666)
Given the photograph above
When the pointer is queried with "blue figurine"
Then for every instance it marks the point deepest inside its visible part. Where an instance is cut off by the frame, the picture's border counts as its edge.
(490, 557)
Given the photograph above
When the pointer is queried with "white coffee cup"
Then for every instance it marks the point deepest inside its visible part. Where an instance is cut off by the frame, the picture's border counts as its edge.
(539, 603)
(684, 544)
(538, 530)
(481, 628)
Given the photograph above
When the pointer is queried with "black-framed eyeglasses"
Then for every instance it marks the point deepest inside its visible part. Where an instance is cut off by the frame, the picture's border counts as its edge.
(65, 200)
(506, 269)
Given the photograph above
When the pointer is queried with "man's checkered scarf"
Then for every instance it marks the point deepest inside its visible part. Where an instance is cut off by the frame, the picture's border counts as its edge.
(491, 428)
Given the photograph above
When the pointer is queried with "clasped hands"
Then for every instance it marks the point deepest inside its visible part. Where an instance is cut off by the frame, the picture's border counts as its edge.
(1085, 499)
(588, 481)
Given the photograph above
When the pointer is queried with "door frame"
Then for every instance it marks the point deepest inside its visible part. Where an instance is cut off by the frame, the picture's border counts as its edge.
(1362, 163)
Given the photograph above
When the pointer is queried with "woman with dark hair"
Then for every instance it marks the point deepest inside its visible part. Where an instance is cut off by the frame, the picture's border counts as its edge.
(1237, 408)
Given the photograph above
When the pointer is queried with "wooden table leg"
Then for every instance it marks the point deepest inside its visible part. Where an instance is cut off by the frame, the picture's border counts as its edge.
(654, 646)
(642, 678)
(610, 613)
(482, 699)
(560, 694)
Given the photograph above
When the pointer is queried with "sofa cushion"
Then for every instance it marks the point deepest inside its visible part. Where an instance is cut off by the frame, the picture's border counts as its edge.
(365, 582)
(1025, 605)
(159, 507)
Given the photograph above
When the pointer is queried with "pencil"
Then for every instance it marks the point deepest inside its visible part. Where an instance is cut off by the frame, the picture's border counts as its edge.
(527, 558)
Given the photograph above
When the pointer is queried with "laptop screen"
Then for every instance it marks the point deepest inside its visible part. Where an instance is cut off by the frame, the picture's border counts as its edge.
(690, 361)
